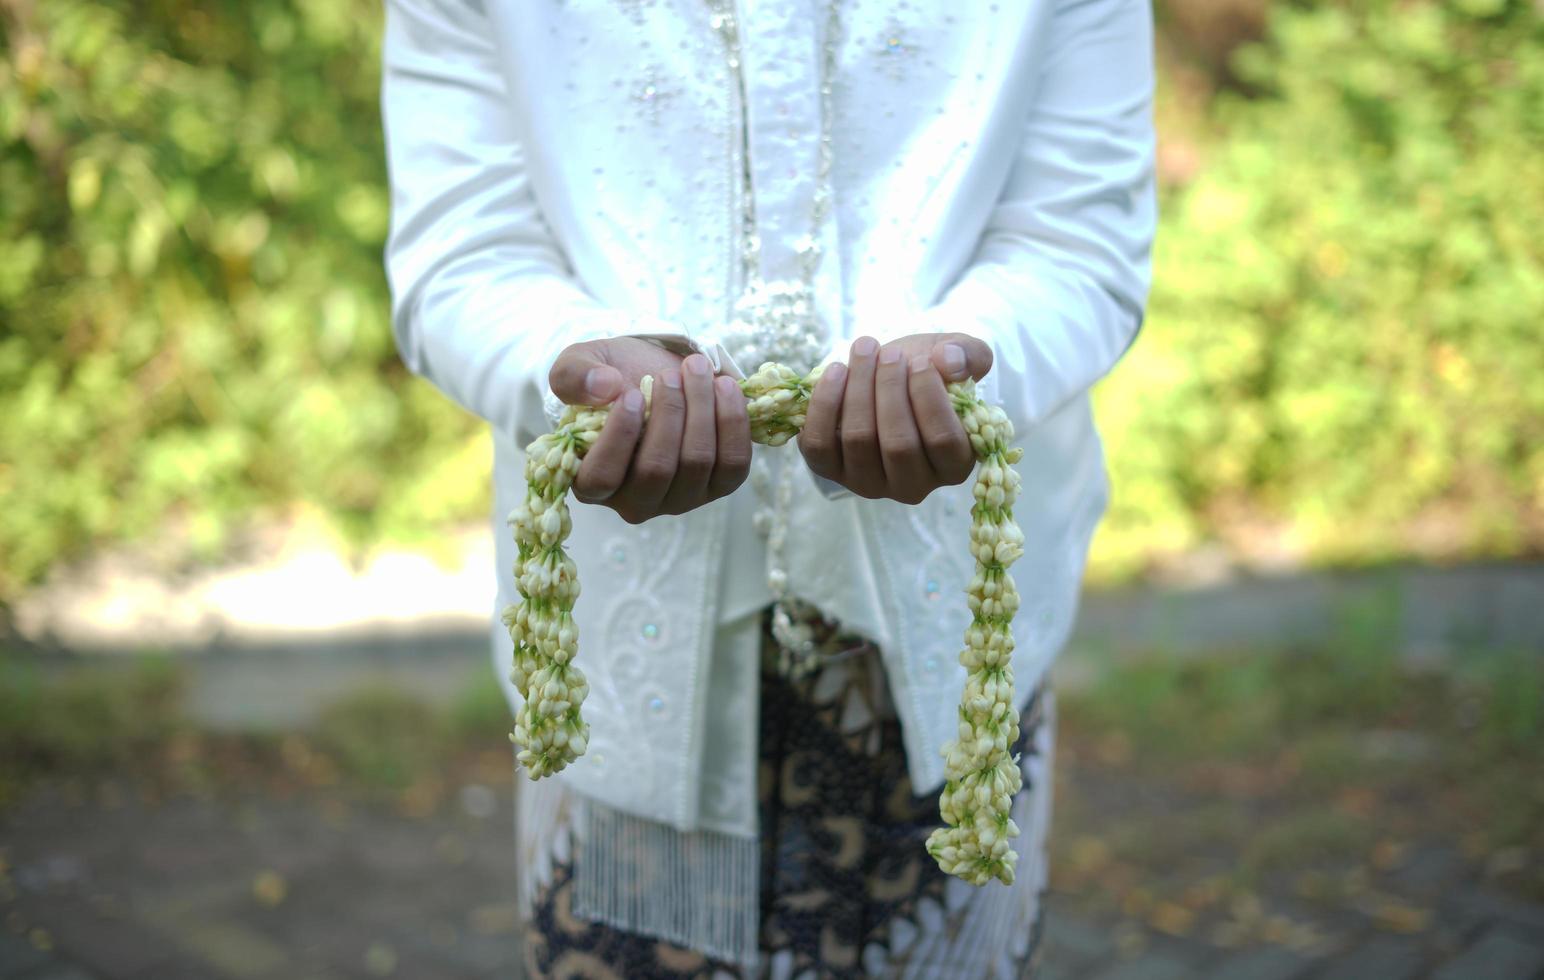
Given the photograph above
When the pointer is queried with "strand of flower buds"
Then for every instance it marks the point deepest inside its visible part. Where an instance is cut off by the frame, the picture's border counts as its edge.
(549, 730)
(980, 774)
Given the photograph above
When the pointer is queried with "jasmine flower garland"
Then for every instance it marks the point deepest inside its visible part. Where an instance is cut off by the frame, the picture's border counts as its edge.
(981, 776)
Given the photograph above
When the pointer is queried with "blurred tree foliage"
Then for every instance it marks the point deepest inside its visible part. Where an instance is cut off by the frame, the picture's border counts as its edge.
(192, 306)
(1343, 339)
(1343, 356)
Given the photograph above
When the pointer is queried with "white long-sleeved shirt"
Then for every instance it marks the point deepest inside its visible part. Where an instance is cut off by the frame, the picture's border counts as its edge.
(564, 170)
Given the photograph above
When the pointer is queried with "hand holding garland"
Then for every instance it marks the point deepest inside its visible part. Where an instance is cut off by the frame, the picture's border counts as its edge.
(981, 775)
(881, 425)
(695, 448)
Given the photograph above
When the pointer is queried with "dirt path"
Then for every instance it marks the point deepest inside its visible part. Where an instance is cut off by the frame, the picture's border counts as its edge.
(106, 884)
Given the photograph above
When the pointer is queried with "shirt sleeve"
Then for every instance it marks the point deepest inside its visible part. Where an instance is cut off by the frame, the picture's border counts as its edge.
(483, 299)
(1058, 283)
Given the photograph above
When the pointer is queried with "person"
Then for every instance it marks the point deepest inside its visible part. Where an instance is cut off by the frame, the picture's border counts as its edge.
(910, 193)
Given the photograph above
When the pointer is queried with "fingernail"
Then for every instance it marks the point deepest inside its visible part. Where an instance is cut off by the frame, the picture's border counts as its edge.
(726, 385)
(890, 355)
(597, 384)
(696, 364)
(836, 372)
(954, 358)
(672, 378)
(865, 346)
(920, 363)
(632, 400)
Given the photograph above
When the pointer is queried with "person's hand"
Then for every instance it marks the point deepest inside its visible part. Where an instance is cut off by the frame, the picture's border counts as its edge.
(883, 425)
(695, 448)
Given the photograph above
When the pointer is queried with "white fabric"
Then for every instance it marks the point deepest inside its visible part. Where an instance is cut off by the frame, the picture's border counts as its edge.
(993, 175)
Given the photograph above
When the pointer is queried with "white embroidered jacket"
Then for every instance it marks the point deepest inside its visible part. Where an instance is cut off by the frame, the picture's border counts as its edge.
(564, 170)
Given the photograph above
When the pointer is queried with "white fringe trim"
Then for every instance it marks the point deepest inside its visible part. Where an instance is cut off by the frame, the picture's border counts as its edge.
(701, 889)
(544, 812)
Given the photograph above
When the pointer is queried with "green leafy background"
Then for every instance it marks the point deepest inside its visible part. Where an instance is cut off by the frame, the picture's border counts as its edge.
(1341, 363)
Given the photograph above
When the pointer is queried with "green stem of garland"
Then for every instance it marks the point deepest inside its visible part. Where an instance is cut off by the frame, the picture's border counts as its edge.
(981, 776)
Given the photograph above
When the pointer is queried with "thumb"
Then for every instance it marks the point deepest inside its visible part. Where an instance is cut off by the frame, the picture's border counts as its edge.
(580, 376)
(959, 356)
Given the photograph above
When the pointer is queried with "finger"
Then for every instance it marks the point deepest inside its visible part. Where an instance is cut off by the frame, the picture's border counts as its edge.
(732, 461)
(580, 377)
(605, 465)
(659, 449)
(699, 439)
(943, 435)
(908, 474)
(862, 469)
(818, 439)
(959, 356)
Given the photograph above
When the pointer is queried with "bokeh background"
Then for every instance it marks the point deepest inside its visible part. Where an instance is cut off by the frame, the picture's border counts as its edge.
(1304, 717)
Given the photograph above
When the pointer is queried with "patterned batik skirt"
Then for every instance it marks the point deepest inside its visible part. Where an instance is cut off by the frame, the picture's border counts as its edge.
(847, 887)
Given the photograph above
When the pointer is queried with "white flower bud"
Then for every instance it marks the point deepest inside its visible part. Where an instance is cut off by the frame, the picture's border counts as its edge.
(551, 523)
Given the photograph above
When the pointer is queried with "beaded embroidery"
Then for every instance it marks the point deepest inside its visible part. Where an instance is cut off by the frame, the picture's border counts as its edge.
(776, 321)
